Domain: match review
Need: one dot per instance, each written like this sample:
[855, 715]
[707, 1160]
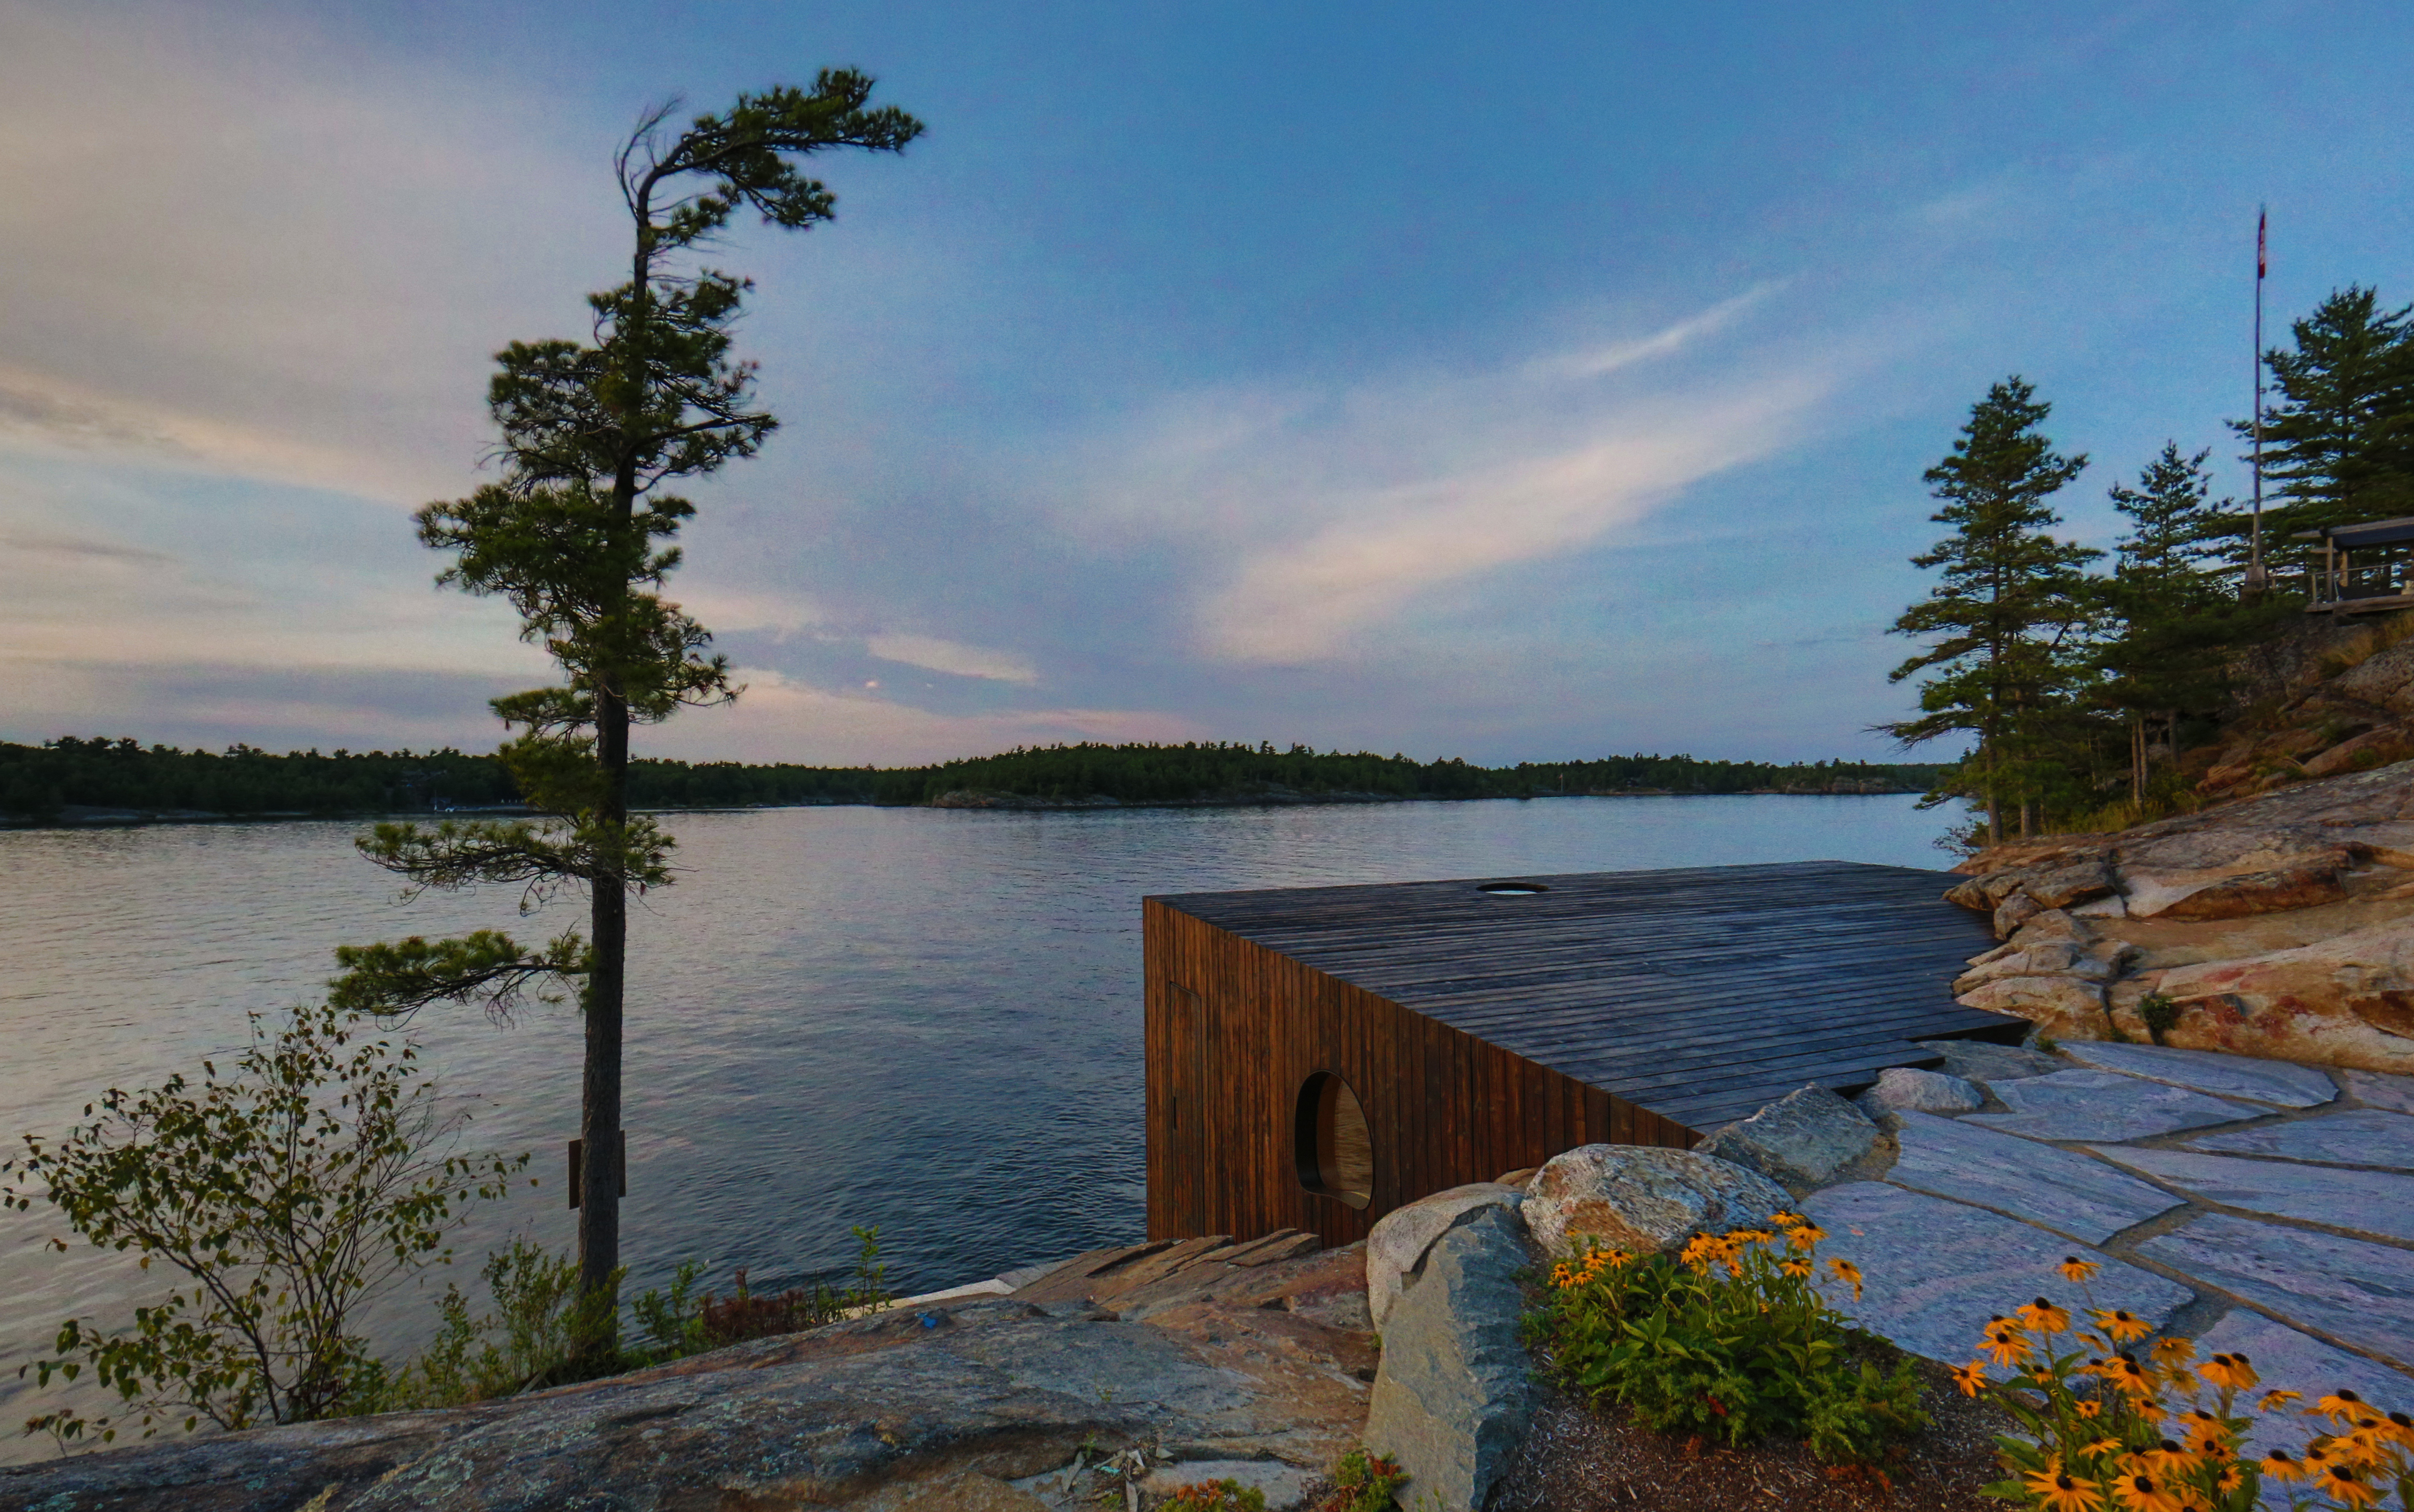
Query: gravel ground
[1580, 1459]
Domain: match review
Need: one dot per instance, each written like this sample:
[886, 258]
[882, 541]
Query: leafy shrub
[1364, 1482]
[541, 1333]
[1728, 1340]
[289, 1193]
[2164, 1433]
[1215, 1496]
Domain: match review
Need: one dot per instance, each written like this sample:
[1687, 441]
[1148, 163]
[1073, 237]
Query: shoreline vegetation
[99, 780]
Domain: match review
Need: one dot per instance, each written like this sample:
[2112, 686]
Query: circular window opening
[1512, 889]
[1337, 1155]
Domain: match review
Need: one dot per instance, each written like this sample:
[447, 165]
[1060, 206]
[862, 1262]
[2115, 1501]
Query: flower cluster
[1728, 1338]
[2114, 1434]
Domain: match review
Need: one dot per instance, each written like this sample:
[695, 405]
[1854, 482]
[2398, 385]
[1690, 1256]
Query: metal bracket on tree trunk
[578, 1164]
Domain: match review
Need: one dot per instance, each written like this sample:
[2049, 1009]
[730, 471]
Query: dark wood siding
[1234, 1030]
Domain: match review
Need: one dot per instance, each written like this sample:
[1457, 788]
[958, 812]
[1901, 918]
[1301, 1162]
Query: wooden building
[1319, 1056]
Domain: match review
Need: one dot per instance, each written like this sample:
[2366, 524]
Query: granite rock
[1902, 1089]
[1986, 1062]
[1453, 1396]
[2375, 1089]
[2065, 1007]
[1642, 1199]
[1800, 1141]
[1395, 1250]
[2290, 1360]
[2347, 1000]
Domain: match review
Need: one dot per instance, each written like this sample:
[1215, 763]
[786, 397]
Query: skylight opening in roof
[1512, 889]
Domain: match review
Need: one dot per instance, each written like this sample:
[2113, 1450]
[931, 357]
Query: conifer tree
[2005, 619]
[575, 535]
[2339, 444]
[2171, 611]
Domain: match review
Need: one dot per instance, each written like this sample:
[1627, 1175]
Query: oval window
[1337, 1155]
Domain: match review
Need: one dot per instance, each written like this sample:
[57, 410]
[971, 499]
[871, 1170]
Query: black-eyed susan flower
[2170, 1352]
[2139, 1491]
[2282, 1466]
[2102, 1447]
[2004, 1341]
[2401, 1428]
[1845, 1270]
[2087, 1407]
[2274, 1400]
[2074, 1269]
[2057, 1490]
[2122, 1324]
[1796, 1266]
[2167, 1459]
[2229, 1372]
[2348, 1486]
[1971, 1378]
[1805, 1235]
[1787, 1220]
[2042, 1317]
[2341, 1407]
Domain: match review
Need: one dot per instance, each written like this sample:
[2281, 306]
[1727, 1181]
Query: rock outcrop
[1154, 1362]
[2278, 926]
[1801, 1141]
[1396, 1248]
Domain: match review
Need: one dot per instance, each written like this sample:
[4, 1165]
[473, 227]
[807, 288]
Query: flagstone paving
[2359, 1136]
[2367, 1202]
[2104, 1105]
[2208, 1070]
[2057, 1189]
[2256, 1205]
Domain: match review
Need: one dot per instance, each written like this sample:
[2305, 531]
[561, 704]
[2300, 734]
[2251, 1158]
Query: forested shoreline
[81, 778]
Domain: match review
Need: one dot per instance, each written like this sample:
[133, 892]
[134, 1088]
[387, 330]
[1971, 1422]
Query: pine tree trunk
[599, 1112]
[2137, 759]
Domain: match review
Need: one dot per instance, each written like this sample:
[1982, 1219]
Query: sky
[1512, 383]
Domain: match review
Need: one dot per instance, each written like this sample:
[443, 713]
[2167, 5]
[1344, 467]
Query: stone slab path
[2254, 1205]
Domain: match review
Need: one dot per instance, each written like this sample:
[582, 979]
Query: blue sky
[1514, 384]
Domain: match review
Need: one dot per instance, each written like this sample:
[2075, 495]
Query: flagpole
[2256, 580]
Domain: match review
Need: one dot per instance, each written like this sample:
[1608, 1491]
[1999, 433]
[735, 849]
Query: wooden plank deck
[1700, 994]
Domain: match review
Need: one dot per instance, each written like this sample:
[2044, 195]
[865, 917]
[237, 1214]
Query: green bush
[541, 1333]
[1727, 1340]
[1364, 1482]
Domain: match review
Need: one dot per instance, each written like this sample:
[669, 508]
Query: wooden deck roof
[1701, 994]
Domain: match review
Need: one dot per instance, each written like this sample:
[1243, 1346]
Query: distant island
[102, 780]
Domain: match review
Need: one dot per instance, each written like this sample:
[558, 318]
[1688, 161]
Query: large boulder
[1642, 1199]
[1396, 1248]
[2300, 883]
[1903, 1089]
[2347, 1001]
[1453, 1395]
[1803, 1140]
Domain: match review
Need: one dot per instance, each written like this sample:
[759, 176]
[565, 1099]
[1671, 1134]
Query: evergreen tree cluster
[2076, 682]
[39, 781]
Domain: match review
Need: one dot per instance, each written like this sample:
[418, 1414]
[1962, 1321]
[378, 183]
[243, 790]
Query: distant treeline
[64, 775]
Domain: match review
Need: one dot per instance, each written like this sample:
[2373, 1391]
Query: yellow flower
[2205, 1431]
[2087, 1407]
[2141, 1492]
[2042, 1317]
[1845, 1270]
[2273, 1400]
[2174, 1351]
[2129, 1377]
[1806, 1235]
[1619, 1259]
[2282, 1466]
[2057, 1491]
[2341, 1407]
[2102, 1447]
[2230, 1372]
[2401, 1428]
[2006, 1343]
[2348, 1486]
[2167, 1459]
[1970, 1377]
[2122, 1325]
[2074, 1269]
[2227, 1476]
[1800, 1270]
[1750, 1236]
[1787, 1220]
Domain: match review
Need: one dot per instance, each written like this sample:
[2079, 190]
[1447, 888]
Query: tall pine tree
[2004, 622]
[2173, 616]
[2339, 443]
[575, 536]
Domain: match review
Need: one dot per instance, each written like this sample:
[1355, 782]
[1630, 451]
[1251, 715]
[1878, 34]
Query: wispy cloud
[953, 658]
[1313, 519]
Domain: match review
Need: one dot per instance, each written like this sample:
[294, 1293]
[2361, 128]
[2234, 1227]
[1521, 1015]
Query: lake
[923, 1019]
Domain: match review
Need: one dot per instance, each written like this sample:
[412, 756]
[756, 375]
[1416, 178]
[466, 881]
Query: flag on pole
[2262, 263]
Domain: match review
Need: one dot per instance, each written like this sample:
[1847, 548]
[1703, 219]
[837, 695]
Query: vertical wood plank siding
[1443, 1107]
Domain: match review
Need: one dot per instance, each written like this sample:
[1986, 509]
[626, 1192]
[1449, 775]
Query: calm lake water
[927, 1020]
